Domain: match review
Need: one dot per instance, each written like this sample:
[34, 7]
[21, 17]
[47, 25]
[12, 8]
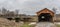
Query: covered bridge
[45, 15]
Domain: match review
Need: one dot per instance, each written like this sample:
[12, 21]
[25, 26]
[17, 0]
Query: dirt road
[45, 24]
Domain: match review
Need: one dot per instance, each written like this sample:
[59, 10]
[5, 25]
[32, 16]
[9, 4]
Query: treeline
[7, 13]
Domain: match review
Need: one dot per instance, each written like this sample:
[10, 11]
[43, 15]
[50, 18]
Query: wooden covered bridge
[45, 15]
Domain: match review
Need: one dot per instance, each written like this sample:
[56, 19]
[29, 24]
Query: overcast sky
[30, 6]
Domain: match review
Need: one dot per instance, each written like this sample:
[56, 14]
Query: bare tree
[10, 14]
[54, 10]
[17, 12]
[4, 11]
[0, 11]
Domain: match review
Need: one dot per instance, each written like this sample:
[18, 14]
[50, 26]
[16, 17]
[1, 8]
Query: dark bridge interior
[44, 17]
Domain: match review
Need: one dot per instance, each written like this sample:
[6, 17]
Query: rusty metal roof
[45, 9]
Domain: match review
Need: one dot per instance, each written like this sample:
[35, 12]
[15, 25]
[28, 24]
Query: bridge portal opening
[44, 17]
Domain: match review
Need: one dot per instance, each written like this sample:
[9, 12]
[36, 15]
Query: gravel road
[45, 24]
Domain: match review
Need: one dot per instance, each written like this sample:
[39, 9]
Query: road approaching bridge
[45, 24]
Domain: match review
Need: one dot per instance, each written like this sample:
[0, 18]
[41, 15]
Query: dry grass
[7, 23]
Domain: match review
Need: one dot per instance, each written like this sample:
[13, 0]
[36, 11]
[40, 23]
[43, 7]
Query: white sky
[30, 6]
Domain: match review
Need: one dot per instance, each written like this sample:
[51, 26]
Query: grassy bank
[27, 25]
[58, 25]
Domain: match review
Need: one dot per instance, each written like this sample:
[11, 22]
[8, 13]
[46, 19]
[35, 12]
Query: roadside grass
[58, 25]
[27, 25]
